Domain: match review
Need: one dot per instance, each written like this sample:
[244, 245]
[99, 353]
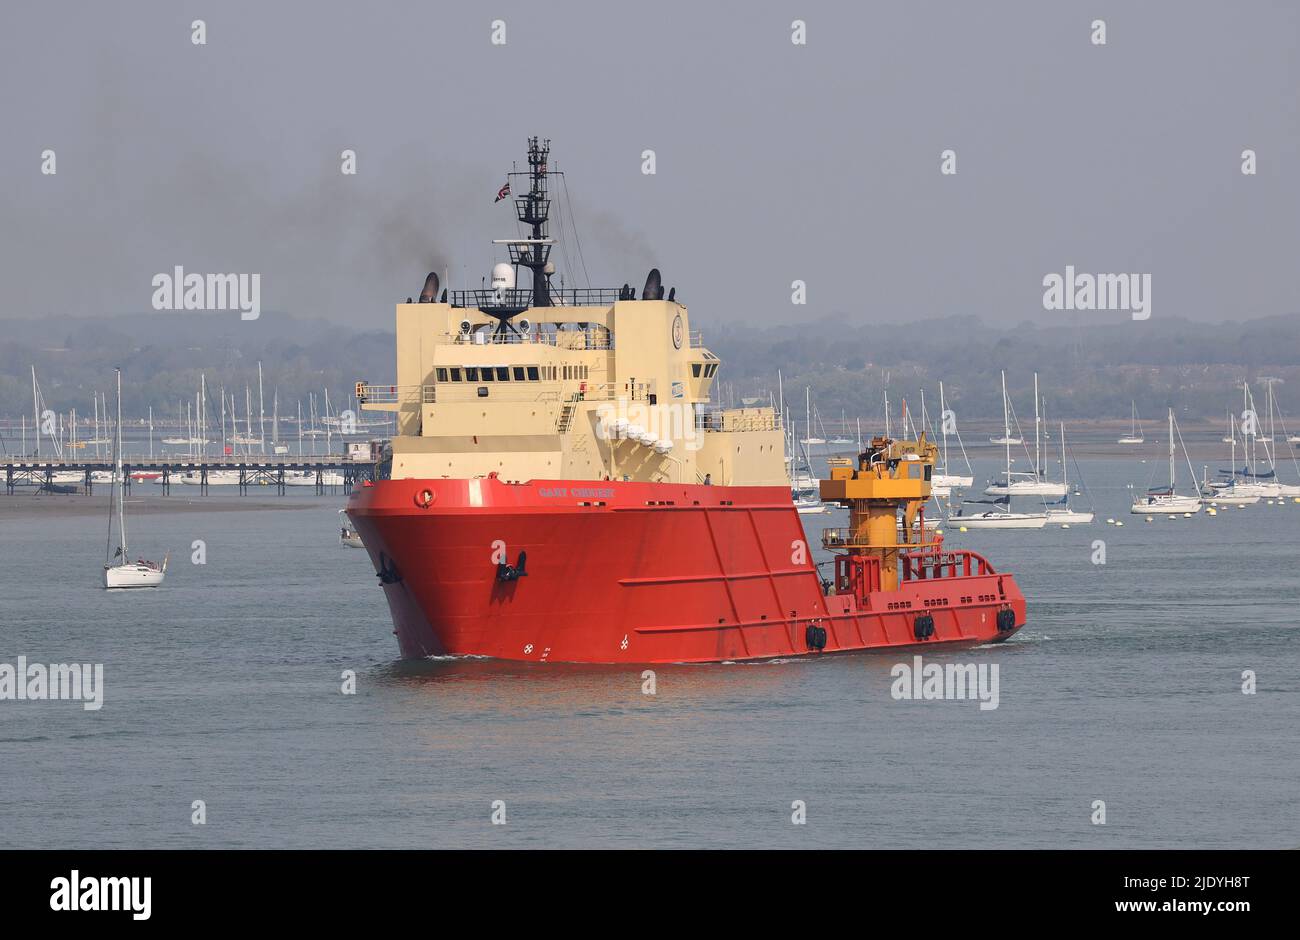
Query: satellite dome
[503, 276]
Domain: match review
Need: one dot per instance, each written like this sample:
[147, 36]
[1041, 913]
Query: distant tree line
[1085, 372]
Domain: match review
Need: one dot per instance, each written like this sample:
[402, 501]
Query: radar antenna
[534, 209]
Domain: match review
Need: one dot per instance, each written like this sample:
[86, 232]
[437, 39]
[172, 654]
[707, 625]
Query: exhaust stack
[430, 288]
[654, 288]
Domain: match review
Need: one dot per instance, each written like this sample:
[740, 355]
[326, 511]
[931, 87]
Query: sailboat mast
[1232, 436]
[36, 414]
[329, 444]
[1065, 473]
[1006, 428]
[1247, 441]
[1037, 446]
[943, 426]
[117, 473]
[203, 415]
[1171, 451]
[261, 411]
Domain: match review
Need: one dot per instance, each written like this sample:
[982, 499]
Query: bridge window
[485, 374]
[695, 369]
[455, 374]
[519, 373]
[471, 373]
[532, 373]
[503, 373]
[442, 375]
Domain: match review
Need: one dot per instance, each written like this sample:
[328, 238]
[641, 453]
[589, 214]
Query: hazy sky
[774, 161]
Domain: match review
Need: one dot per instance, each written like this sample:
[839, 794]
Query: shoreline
[27, 502]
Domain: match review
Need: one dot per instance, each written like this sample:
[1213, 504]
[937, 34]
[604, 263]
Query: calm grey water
[225, 687]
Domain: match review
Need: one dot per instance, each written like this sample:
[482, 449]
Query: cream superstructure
[593, 391]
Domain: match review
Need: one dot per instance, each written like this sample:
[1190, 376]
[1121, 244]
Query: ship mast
[533, 210]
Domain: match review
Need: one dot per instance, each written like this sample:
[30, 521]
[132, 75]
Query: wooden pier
[259, 475]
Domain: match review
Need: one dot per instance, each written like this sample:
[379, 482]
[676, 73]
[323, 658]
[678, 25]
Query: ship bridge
[552, 382]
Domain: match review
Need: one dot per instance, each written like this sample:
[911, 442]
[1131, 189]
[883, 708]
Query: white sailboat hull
[1068, 517]
[308, 478]
[1001, 520]
[215, 478]
[1026, 488]
[811, 508]
[1157, 504]
[950, 481]
[1259, 490]
[1230, 499]
[1131, 440]
[132, 576]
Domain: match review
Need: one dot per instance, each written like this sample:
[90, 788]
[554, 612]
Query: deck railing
[393, 394]
[597, 338]
[836, 538]
[737, 420]
[929, 565]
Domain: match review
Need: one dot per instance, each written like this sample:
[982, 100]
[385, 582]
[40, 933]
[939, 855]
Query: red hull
[636, 573]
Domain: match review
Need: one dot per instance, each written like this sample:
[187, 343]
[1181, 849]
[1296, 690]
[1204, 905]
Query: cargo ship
[561, 489]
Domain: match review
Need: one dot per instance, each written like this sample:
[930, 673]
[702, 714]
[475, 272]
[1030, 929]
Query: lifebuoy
[424, 499]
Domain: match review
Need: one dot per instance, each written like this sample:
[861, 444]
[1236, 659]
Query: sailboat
[1274, 412]
[810, 440]
[1065, 515]
[1023, 483]
[1249, 481]
[805, 489]
[1134, 435]
[1231, 492]
[942, 483]
[1002, 518]
[1166, 499]
[125, 574]
[840, 440]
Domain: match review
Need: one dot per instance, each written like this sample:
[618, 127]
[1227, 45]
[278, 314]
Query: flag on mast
[503, 192]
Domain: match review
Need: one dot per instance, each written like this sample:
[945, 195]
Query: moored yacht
[126, 573]
[1166, 499]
